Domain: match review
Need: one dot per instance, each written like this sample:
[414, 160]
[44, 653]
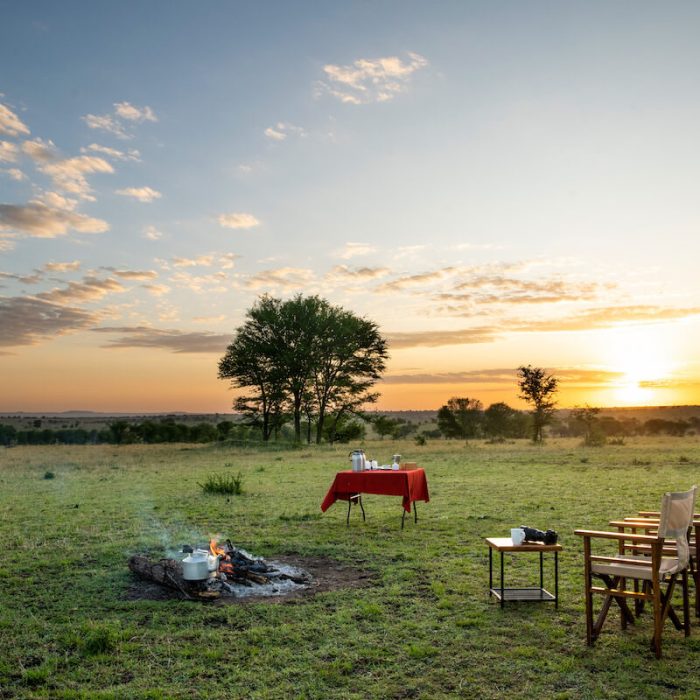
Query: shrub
[98, 638]
[49, 475]
[226, 484]
[420, 440]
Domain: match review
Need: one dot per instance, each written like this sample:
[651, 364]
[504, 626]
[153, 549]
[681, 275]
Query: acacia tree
[306, 356]
[350, 355]
[538, 389]
[460, 418]
[251, 362]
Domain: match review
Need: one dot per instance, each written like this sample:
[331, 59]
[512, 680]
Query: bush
[226, 484]
[49, 475]
[420, 440]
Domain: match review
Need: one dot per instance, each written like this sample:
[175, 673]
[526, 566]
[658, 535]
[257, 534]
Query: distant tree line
[126, 432]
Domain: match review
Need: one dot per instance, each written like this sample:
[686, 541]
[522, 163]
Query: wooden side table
[532, 594]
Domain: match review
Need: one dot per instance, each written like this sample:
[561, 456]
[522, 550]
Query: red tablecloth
[409, 483]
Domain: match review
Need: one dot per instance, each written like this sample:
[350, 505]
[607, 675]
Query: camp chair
[654, 569]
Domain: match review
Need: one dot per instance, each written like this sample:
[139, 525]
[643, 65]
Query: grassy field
[423, 627]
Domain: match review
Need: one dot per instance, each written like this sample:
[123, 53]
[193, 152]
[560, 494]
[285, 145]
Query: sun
[641, 356]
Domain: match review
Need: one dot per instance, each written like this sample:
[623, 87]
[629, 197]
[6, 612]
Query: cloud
[127, 111]
[238, 220]
[418, 280]
[201, 283]
[90, 289]
[37, 220]
[69, 174]
[282, 130]
[14, 173]
[152, 233]
[370, 80]
[53, 200]
[343, 273]
[143, 194]
[352, 250]
[131, 154]
[157, 290]
[6, 242]
[34, 278]
[432, 339]
[29, 320]
[40, 151]
[209, 319]
[114, 123]
[607, 316]
[285, 278]
[134, 274]
[174, 340]
[228, 260]
[485, 376]
[10, 123]
[62, 266]
[8, 152]
[202, 260]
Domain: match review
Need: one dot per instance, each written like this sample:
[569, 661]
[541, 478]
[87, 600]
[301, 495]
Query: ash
[283, 579]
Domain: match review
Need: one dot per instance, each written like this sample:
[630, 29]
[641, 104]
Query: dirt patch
[326, 575]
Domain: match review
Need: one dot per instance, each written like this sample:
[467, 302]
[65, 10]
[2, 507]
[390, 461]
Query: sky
[495, 184]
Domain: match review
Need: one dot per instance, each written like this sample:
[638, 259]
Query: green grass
[424, 627]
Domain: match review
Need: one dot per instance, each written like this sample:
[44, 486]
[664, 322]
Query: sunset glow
[493, 185]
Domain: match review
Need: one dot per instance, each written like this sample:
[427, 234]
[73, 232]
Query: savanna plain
[421, 626]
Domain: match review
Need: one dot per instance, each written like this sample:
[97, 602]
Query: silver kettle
[358, 459]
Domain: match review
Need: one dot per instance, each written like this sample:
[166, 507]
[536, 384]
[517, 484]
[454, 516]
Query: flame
[214, 549]
[225, 564]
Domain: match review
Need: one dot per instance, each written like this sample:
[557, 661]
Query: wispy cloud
[29, 320]
[40, 151]
[370, 80]
[10, 123]
[201, 260]
[69, 174]
[283, 278]
[134, 274]
[485, 376]
[152, 233]
[157, 290]
[121, 119]
[344, 274]
[143, 194]
[281, 130]
[14, 173]
[174, 340]
[418, 280]
[607, 316]
[433, 339]
[238, 220]
[38, 220]
[90, 289]
[131, 154]
[62, 266]
[8, 152]
[353, 250]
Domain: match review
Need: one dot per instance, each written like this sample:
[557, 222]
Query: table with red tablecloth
[411, 484]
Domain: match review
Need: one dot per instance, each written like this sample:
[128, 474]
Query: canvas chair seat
[625, 567]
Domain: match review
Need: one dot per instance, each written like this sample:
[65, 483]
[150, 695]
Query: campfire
[220, 570]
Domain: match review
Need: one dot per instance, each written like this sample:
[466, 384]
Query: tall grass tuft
[226, 484]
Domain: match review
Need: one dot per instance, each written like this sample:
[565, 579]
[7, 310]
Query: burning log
[166, 572]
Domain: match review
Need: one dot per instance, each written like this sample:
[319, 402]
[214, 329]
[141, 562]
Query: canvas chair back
[674, 520]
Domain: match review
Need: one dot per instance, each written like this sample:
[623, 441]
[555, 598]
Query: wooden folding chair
[642, 558]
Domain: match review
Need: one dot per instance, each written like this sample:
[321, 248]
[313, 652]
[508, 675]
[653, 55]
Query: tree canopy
[538, 389]
[303, 358]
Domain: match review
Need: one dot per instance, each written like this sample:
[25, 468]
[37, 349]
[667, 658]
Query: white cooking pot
[195, 567]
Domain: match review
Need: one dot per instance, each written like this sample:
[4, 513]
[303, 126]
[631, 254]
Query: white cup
[517, 534]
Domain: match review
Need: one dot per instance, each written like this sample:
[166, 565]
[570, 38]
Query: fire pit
[221, 571]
